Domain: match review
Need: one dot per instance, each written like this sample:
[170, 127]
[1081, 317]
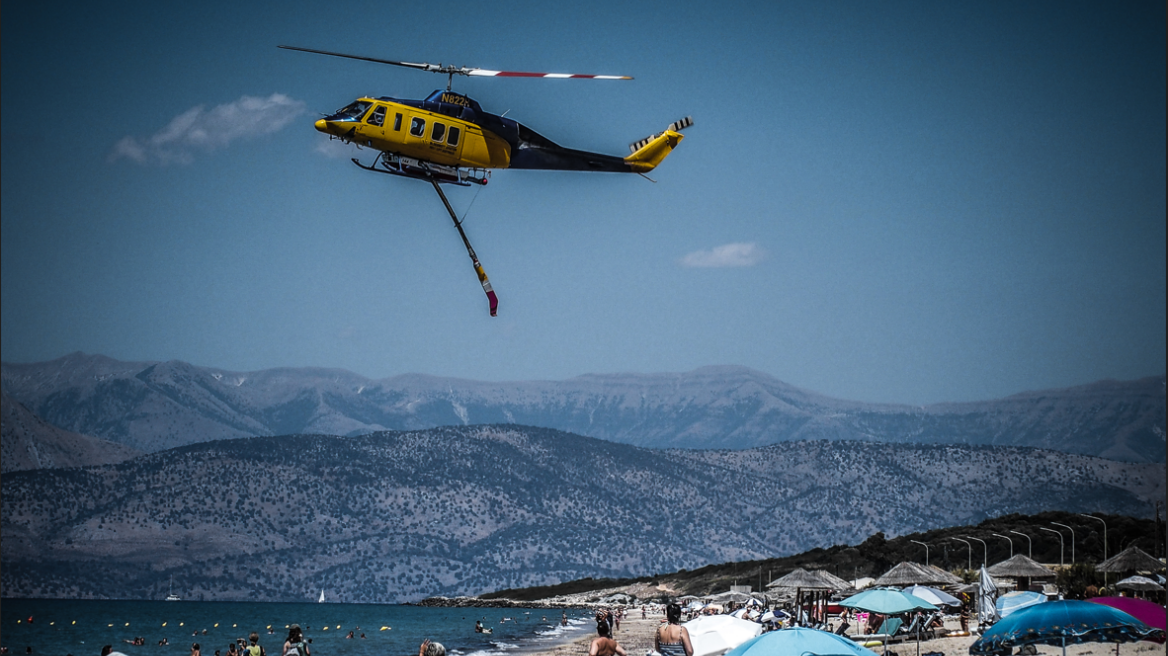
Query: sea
[55, 627]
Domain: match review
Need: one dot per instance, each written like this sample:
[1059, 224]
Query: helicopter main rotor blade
[424, 67]
[482, 72]
[460, 70]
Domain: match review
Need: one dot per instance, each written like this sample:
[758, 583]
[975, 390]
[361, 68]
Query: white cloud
[726, 255]
[336, 149]
[200, 130]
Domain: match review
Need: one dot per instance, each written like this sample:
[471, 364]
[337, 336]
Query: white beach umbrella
[1140, 584]
[717, 634]
[987, 596]
[933, 595]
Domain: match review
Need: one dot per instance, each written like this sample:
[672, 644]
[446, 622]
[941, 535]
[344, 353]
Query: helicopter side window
[397, 123]
[417, 126]
[377, 116]
[452, 136]
[438, 133]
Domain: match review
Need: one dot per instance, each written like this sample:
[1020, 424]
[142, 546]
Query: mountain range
[29, 442]
[399, 515]
[153, 406]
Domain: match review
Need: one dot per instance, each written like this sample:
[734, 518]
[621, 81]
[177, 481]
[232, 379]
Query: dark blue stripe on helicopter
[563, 159]
[529, 149]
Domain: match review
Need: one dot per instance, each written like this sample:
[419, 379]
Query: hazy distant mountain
[400, 515]
[154, 406]
[27, 442]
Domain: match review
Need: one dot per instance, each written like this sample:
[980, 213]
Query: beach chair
[888, 629]
[928, 631]
[910, 632]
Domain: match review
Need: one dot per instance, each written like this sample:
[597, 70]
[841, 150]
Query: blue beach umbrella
[1059, 623]
[799, 641]
[886, 602]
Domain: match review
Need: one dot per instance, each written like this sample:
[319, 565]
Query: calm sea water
[81, 628]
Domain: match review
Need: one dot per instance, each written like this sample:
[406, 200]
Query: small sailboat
[321, 600]
[170, 595]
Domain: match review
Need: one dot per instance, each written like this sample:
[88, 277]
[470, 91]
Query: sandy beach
[636, 637]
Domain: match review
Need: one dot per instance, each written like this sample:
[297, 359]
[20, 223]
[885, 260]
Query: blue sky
[900, 202]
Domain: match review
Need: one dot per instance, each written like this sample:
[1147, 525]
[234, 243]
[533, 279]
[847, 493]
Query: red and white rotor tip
[482, 72]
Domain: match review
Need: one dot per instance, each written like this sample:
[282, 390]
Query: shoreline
[635, 637]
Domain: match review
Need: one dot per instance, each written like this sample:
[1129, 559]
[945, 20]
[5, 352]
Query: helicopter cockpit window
[452, 138]
[438, 133]
[377, 116]
[354, 111]
[417, 126]
[397, 123]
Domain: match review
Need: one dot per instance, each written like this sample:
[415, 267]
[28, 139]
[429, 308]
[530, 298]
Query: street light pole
[926, 550]
[1061, 546]
[1007, 539]
[1072, 539]
[968, 554]
[984, 549]
[1104, 539]
[1029, 544]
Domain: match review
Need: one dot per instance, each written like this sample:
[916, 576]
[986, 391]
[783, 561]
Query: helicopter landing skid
[419, 170]
[492, 299]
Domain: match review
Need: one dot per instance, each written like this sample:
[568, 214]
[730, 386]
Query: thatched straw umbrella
[949, 578]
[1021, 569]
[803, 580]
[906, 574]
[729, 597]
[837, 584]
[1132, 559]
[811, 592]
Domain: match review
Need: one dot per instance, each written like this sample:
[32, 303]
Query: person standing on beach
[254, 649]
[603, 644]
[294, 645]
[672, 639]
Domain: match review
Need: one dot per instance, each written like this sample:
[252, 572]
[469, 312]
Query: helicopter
[448, 138]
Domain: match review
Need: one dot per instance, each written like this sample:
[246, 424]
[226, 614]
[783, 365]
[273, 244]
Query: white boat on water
[170, 595]
[321, 600]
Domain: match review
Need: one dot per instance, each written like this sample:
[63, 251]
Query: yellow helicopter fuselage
[421, 134]
[449, 136]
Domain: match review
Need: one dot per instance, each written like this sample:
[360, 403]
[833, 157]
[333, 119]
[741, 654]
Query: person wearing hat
[294, 645]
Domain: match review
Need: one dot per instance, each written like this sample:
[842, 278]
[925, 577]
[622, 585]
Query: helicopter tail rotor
[676, 126]
[647, 153]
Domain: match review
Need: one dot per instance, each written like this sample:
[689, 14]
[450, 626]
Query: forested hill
[396, 516]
